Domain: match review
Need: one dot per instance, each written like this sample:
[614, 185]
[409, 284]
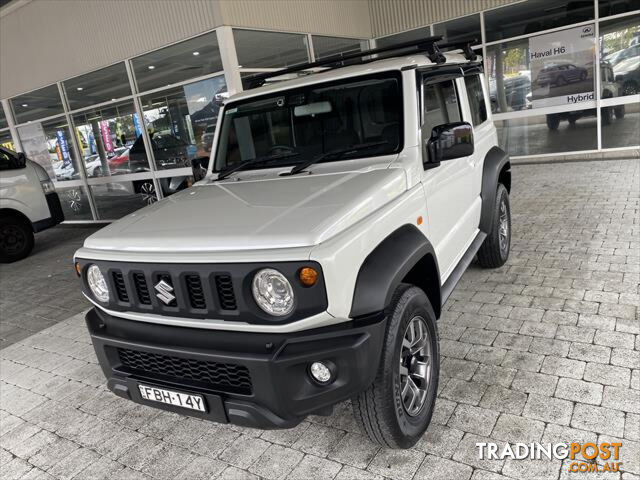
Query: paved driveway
[544, 349]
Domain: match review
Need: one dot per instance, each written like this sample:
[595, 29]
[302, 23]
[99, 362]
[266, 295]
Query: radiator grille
[141, 288]
[225, 292]
[121, 289]
[195, 291]
[220, 376]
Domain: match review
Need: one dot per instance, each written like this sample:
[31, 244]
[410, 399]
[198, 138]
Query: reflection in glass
[179, 62]
[75, 203]
[615, 7]
[258, 49]
[3, 118]
[49, 144]
[621, 125]
[181, 122]
[620, 53]
[553, 133]
[41, 103]
[105, 138]
[97, 87]
[6, 141]
[408, 36]
[509, 76]
[534, 16]
[328, 46]
[117, 199]
[464, 29]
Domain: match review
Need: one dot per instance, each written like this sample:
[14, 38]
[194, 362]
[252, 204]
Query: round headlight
[97, 283]
[272, 292]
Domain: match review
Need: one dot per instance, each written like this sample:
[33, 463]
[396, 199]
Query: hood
[280, 212]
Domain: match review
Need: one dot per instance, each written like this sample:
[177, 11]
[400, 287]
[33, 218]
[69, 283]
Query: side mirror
[199, 166]
[448, 141]
[21, 160]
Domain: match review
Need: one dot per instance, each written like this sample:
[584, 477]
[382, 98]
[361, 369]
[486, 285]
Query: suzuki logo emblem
[164, 292]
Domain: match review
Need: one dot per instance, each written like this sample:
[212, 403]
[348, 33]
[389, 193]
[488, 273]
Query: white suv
[311, 263]
[28, 204]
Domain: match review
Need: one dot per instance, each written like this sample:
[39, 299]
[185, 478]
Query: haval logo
[164, 292]
[586, 30]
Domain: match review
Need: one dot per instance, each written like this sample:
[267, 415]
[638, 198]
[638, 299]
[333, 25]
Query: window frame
[487, 108]
[438, 75]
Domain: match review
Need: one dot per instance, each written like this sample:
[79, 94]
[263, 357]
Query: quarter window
[476, 99]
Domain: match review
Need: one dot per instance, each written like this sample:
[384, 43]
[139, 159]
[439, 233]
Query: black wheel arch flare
[496, 169]
[405, 255]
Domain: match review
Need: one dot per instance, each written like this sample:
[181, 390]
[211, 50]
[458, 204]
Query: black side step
[462, 266]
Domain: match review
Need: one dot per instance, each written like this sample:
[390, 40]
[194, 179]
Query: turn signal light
[308, 276]
[78, 268]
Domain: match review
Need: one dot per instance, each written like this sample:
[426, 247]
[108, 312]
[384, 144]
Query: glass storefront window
[620, 125]
[403, 37]
[106, 137]
[37, 104]
[533, 16]
[97, 87]
[464, 29]
[117, 199]
[3, 119]
[615, 7]
[75, 203]
[6, 141]
[258, 49]
[181, 122]
[620, 54]
[192, 58]
[324, 47]
[552, 133]
[49, 144]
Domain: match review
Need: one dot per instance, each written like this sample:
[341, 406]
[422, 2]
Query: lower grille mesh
[221, 376]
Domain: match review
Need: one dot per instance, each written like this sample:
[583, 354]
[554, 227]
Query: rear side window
[440, 106]
[476, 99]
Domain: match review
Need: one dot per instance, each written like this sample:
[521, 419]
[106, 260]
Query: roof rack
[428, 45]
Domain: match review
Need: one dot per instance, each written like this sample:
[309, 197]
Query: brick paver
[543, 349]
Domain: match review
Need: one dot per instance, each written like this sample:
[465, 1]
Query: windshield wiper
[252, 161]
[333, 153]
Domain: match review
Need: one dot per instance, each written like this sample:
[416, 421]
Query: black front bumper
[280, 391]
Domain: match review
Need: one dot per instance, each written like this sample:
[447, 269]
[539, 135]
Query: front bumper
[265, 381]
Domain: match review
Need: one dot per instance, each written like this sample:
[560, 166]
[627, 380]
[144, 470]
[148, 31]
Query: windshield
[297, 125]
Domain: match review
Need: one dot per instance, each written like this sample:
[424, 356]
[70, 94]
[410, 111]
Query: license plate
[170, 397]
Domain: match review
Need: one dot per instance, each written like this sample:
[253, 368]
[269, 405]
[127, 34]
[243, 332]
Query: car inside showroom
[333, 239]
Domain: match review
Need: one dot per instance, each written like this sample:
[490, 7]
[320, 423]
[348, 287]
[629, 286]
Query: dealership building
[115, 98]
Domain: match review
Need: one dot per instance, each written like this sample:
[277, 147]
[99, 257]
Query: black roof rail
[428, 45]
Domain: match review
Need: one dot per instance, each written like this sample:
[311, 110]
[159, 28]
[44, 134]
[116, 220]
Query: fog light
[320, 372]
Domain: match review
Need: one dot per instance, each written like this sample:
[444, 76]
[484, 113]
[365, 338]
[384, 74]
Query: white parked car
[28, 204]
[311, 264]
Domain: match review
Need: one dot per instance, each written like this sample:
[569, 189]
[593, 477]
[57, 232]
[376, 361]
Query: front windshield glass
[294, 126]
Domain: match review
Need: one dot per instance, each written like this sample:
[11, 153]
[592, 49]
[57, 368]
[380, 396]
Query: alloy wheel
[148, 191]
[503, 228]
[74, 198]
[415, 366]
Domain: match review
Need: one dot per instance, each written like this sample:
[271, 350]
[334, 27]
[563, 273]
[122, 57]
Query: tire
[381, 410]
[619, 111]
[606, 113]
[16, 239]
[494, 251]
[553, 122]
